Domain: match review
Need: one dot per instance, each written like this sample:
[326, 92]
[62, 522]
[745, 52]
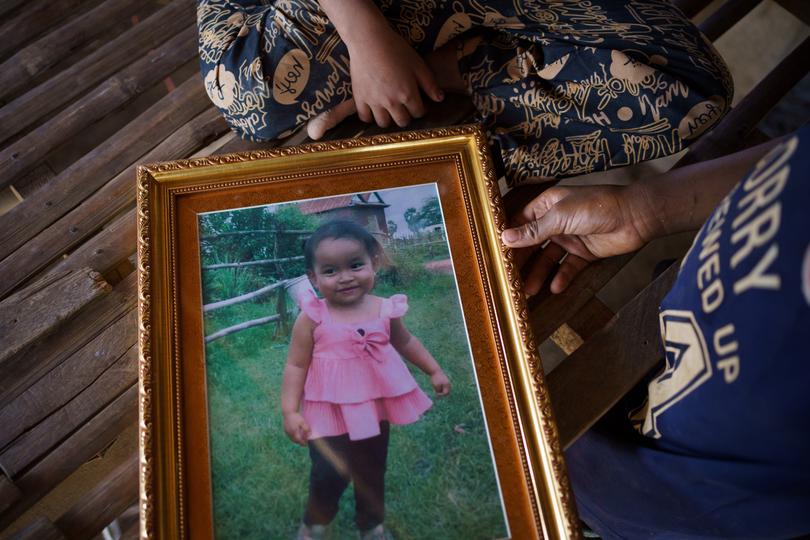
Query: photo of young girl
[384, 458]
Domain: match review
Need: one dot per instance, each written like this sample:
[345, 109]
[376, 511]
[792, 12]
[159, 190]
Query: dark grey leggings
[336, 461]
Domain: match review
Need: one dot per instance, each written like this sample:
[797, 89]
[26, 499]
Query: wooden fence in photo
[431, 241]
[282, 316]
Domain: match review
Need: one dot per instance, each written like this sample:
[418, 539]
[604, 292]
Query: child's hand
[296, 428]
[387, 74]
[440, 382]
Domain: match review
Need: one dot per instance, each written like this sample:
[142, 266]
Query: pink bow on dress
[370, 344]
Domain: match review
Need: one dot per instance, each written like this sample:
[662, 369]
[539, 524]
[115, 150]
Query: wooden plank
[90, 439]
[8, 6]
[69, 394]
[798, 8]
[101, 206]
[35, 18]
[732, 133]
[9, 493]
[691, 8]
[547, 311]
[22, 155]
[719, 22]
[41, 528]
[87, 72]
[129, 521]
[106, 250]
[29, 318]
[132, 532]
[19, 71]
[23, 370]
[105, 502]
[590, 381]
[34, 179]
[593, 316]
[84, 177]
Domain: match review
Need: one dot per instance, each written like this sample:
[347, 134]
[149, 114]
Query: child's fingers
[400, 115]
[381, 117]
[415, 106]
[364, 112]
[318, 126]
[305, 431]
[427, 82]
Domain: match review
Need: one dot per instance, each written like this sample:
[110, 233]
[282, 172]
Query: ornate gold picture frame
[193, 447]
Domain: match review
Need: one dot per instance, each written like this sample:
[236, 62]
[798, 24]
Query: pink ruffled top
[356, 378]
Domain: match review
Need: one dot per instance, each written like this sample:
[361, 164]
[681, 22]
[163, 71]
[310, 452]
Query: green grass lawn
[440, 481]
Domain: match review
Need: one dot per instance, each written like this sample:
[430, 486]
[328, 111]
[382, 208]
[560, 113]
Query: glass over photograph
[342, 393]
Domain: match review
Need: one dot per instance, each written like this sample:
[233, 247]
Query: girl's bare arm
[295, 374]
[414, 352]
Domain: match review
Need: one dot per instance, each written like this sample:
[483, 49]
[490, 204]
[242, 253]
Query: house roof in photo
[318, 206]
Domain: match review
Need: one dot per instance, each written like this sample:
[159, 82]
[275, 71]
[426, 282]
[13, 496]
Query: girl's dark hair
[341, 228]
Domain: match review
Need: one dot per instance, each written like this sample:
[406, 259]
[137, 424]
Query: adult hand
[387, 75]
[586, 222]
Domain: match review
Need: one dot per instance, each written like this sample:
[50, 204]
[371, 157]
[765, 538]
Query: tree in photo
[412, 219]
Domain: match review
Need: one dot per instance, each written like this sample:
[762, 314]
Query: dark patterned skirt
[563, 87]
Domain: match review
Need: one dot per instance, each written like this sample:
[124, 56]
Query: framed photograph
[334, 345]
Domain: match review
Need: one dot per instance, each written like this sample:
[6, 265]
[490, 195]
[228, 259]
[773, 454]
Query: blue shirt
[721, 441]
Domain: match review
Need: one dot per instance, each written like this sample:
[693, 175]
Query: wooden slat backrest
[726, 16]
[691, 8]
[590, 381]
[799, 8]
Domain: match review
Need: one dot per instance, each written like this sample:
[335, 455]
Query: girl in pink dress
[345, 382]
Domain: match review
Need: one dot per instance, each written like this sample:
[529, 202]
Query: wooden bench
[90, 88]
